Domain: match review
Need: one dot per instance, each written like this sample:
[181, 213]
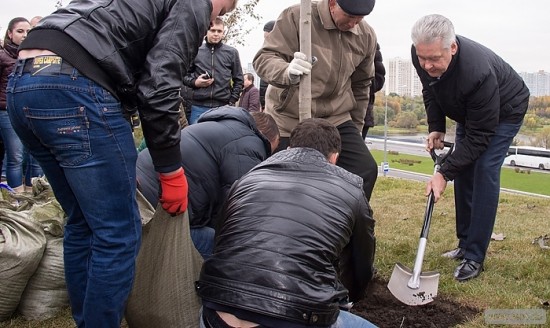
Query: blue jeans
[75, 129]
[203, 239]
[477, 190]
[16, 154]
[345, 320]
[196, 112]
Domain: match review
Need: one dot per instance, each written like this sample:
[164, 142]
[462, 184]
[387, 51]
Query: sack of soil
[50, 216]
[167, 267]
[46, 292]
[22, 244]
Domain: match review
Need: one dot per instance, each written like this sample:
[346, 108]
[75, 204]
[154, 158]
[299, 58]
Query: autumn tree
[531, 121]
[543, 138]
[406, 120]
[240, 22]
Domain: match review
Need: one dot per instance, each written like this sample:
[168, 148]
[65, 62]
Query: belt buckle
[46, 65]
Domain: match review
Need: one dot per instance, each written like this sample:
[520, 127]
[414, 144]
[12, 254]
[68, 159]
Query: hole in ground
[382, 309]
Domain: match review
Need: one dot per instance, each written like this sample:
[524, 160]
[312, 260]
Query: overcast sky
[517, 31]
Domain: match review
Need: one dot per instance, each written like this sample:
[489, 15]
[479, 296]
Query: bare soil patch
[382, 309]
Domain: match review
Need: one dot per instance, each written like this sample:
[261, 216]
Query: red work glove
[174, 192]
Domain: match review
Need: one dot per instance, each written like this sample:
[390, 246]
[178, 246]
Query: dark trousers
[477, 190]
[355, 156]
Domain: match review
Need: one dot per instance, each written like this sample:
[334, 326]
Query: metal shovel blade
[399, 286]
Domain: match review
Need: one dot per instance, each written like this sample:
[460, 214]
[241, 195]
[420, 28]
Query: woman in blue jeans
[16, 154]
[20, 165]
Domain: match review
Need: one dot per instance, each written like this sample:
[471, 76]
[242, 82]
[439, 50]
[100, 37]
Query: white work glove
[297, 67]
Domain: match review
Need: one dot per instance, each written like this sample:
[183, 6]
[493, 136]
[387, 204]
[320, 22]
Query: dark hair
[11, 26]
[249, 77]
[316, 133]
[266, 125]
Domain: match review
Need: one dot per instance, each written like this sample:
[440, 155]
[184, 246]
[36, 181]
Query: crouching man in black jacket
[286, 225]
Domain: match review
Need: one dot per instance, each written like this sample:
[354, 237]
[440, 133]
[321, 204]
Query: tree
[379, 113]
[543, 138]
[240, 22]
[406, 120]
[530, 121]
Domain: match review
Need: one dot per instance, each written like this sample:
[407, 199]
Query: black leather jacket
[223, 63]
[288, 222]
[146, 48]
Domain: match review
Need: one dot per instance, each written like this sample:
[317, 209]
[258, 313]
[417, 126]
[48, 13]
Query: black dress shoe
[468, 269]
[456, 254]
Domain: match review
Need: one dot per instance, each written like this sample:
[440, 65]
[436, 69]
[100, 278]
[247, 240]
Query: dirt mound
[384, 310]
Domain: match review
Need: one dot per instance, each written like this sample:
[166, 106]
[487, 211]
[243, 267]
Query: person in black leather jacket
[82, 73]
[216, 76]
[470, 84]
[287, 223]
[225, 145]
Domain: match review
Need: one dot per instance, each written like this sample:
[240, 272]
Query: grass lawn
[524, 180]
[516, 272]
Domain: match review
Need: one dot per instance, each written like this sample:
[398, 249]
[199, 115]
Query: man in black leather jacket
[287, 223]
[81, 71]
[470, 84]
[216, 75]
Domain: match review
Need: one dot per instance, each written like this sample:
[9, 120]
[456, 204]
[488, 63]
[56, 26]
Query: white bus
[527, 156]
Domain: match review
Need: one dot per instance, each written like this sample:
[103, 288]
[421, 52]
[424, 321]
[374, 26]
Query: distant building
[538, 83]
[401, 78]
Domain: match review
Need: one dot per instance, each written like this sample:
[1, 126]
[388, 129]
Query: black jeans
[355, 156]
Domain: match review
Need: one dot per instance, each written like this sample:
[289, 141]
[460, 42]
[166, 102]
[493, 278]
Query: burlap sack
[46, 292]
[166, 269]
[22, 244]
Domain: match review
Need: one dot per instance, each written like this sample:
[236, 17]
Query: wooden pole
[304, 103]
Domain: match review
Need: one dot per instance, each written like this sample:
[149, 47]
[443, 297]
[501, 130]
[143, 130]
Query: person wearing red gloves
[84, 74]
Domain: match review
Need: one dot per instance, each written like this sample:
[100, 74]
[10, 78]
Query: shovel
[416, 287]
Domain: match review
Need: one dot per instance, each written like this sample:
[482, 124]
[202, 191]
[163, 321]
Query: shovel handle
[414, 282]
[438, 160]
[428, 216]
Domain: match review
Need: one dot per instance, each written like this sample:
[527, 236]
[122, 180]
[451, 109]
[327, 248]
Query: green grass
[528, 181]
[516, 272]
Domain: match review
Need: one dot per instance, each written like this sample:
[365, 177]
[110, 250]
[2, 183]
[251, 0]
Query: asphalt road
[418, 149]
